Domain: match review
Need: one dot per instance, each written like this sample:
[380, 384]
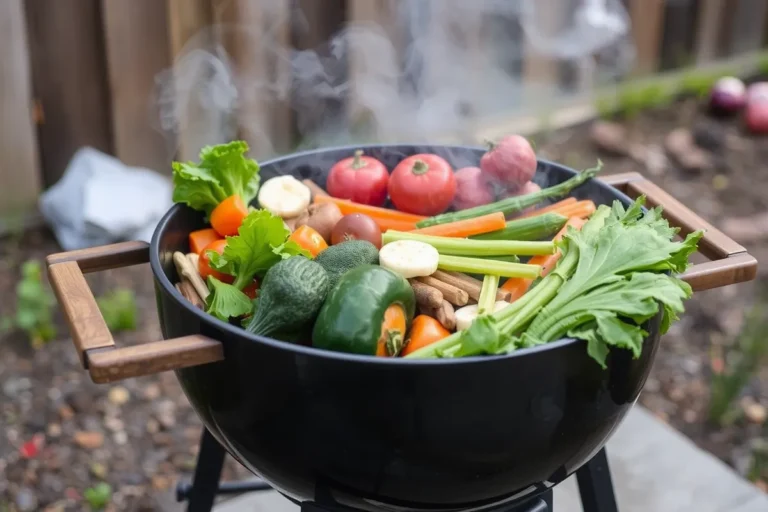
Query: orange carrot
[227, 217]
[464, 228]
[200, 239]
[581, 209]
[518, 286]
[551, 208]
[348, 207]
[396, 225]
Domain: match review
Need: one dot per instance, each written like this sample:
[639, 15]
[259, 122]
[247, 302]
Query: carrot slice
[518, 286]
[396, 225]
[227, 217]
[348, 207]
[554, 207]
[581, 209]
[200, 239]
[464, 228]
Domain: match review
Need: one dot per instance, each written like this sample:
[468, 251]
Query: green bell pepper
[367, 312]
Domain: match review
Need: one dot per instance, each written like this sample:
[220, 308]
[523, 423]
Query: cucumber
[537, 227]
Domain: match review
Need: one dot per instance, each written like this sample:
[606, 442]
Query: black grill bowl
[390, 434]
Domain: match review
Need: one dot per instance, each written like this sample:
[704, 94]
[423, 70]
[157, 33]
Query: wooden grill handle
[97, 350]
[731, 263]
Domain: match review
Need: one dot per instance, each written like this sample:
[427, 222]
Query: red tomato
[204, 263]
[252, 289]
[422, 184]
[362, 179]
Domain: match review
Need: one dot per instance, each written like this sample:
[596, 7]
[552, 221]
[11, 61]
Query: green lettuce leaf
[223, 171]
[226, 301]
[261, 242]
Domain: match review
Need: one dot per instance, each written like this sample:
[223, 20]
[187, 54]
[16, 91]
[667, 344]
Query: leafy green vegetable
[223, 171]
[612, 277]
[226, 301]
[261, 242]
[98, 496]
[119, 310]
[34, 306]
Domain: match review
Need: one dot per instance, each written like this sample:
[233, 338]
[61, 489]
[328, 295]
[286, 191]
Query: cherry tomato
[356, 226]
[309, 239]
[252, 289]
[422, 184]
[204, 263]
[362, 179]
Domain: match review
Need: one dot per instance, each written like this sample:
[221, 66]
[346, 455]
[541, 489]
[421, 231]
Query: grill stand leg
[596, 486]
[205, 482]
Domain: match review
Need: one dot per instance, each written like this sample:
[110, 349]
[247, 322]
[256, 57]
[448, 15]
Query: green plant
[762, 64]
[98, 496]
[34, 306]
[119, 310]
[605, 106]
[633, 99]
[697, 84]
[750, 351]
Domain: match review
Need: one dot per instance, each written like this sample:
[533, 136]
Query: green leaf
[226, 301]
[119, 310]
[482, 337]
[223, 171]
[98, 496]
[261, 242]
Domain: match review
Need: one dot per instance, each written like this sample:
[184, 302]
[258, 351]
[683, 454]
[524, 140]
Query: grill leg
[205, 482]
[596, 486]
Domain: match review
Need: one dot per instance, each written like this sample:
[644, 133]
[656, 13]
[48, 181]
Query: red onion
[728, 95]
[511, 162]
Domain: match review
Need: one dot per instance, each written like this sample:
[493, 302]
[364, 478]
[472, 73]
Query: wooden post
[749, 18]
[136, 36]
[541, 72]
[647, 26]
[256, 37]
[708, 30]
[19, 172]
[68, 80]
[189, 26]
[678, 34]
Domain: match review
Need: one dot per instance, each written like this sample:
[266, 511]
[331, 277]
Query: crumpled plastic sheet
[99, 200]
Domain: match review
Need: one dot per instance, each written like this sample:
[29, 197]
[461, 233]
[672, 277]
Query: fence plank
[749, 17]
[136, 40]
[647, 25]
[68, 80]
[19, 172]
[708, 30]
[678, 34]
[542, 73]
[194, 124]
[256, 37]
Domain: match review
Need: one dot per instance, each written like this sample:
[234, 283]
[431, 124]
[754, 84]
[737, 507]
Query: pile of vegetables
[495, 272]
[730, 96]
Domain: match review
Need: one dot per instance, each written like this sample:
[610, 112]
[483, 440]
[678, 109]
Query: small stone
[681, 147]
[676, 394]
[118, 395]
[114, 424]
[165, 413]
[98, 470]
[610, 137]
[14, 387]
[161, 483]
[720, 182]
[690, 416]
[88, 440]
[66, 412]
[54, 394]
[152, 392]
[120, 438]
[163, 439]
[81, 401]
[26, 499]
[747, 229]
[53, 430]
[153, 426]
[710, 136]
[754, 412]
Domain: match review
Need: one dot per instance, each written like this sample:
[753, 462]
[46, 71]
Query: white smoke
[438, 64]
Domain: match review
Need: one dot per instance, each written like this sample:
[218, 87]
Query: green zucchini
[536, 227]
[291, 295]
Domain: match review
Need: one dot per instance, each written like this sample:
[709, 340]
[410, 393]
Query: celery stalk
[480, 266]
[487, 299]
[467, 247]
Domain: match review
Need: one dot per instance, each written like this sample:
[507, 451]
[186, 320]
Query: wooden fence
[79, 73]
